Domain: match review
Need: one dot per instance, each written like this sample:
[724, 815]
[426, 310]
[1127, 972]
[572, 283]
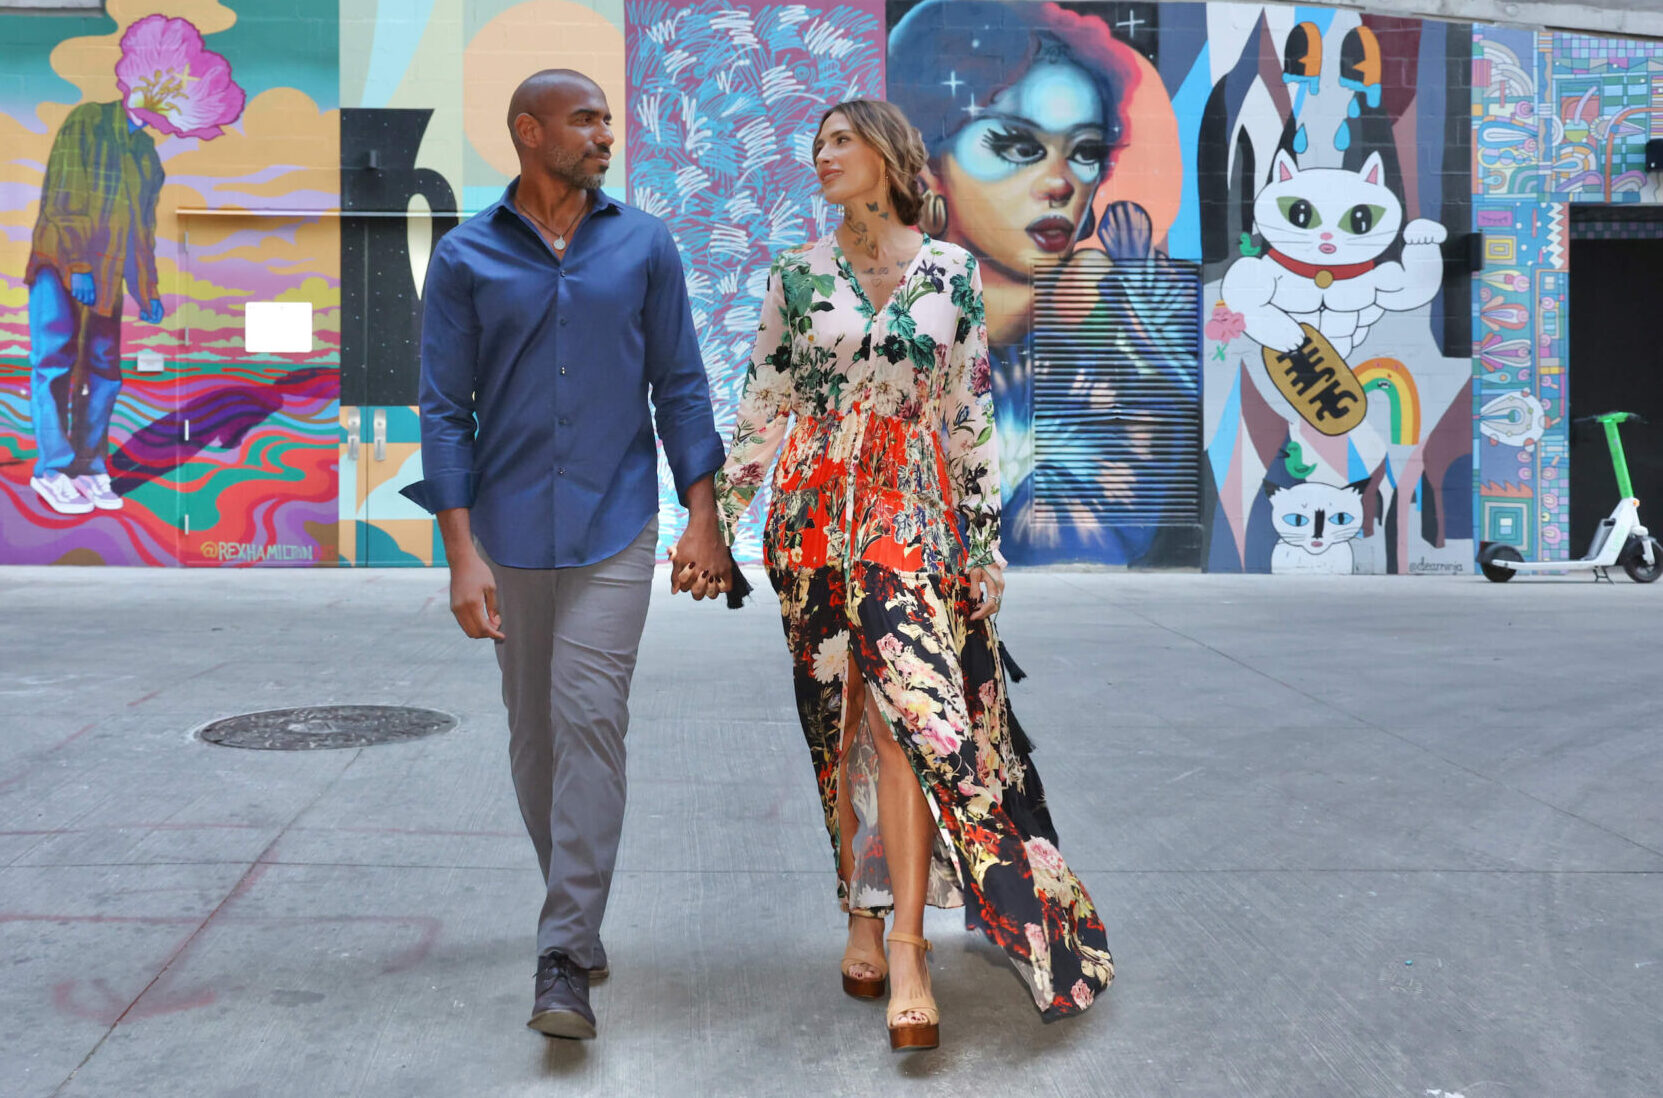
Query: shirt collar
[603, 201]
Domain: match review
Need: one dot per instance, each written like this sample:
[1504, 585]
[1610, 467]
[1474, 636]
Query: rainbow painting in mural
[1391, 378]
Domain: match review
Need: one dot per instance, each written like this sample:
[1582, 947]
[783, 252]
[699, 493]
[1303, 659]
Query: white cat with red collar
[1325, 229]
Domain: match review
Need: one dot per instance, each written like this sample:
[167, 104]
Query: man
[96, 229]
[548, 318]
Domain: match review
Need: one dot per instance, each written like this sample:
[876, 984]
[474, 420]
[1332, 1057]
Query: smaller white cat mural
[1315, 524]
[1326, 229]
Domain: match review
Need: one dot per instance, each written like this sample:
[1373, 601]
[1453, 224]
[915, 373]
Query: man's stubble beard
[565, 168]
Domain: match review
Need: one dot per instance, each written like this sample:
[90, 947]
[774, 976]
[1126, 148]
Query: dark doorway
[1616, 366]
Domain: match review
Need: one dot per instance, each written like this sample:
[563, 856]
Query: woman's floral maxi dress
[885, 495]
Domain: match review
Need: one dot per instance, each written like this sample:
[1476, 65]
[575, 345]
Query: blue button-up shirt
[536, 374]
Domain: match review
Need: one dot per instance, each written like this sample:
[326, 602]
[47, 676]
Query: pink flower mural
[169, 80]
[1225, 324]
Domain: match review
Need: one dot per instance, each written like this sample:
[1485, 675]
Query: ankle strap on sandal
[910, 939]
[859, 914]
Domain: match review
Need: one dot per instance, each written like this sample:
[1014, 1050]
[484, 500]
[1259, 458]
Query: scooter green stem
[1620, 463]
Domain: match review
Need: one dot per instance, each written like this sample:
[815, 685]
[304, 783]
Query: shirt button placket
[559, 438]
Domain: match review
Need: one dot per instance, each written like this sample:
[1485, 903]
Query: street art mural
[1557, 119]
[135, 425]
[723, 101]
[95, 236]
[1331, 247]
[1337, 379]
[1053, 158]
[1303, 159]
[424, 97]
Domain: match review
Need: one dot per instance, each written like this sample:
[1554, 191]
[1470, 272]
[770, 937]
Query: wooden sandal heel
[914, 1036]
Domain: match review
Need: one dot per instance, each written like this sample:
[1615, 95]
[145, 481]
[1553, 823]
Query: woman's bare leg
[908, 829]
[865, 934]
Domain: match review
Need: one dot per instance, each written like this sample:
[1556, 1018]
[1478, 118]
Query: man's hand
[473, 597]
[82, 288]
[700, 561]
[152, 313]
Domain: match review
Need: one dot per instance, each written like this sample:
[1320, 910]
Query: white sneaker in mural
[97, 488]
[60, 494]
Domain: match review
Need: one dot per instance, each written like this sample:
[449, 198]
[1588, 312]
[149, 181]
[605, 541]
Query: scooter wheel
[1498, 573]
[1634, 561]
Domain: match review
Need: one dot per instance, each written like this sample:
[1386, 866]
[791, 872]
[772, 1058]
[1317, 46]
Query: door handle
[381, 434]
[354, 428]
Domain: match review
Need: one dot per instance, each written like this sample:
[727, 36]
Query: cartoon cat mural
[1315, 524]
[1326, 229]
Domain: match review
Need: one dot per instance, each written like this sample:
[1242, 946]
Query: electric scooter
[1620, 539]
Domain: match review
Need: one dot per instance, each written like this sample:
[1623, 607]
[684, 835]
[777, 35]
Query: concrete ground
[1350, 836]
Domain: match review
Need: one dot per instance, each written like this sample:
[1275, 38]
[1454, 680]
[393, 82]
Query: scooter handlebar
[1615, 417]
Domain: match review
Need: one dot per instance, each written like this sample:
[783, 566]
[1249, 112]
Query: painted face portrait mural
[1029, 112]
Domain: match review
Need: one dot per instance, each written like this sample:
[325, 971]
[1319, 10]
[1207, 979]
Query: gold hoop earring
[933, 216]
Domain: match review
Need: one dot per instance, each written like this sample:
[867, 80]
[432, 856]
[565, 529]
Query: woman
[883, 545]
[1021, 106]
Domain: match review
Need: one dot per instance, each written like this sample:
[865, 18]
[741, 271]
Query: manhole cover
[327, 726]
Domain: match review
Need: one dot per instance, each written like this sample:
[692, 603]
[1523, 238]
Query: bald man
[549, 320]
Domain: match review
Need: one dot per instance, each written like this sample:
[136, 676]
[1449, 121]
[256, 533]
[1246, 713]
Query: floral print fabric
[885, 495]
[865, 474]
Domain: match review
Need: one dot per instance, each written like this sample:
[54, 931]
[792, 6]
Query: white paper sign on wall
[277, 327]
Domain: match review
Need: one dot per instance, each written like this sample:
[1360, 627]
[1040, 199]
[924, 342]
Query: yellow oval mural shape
[1319, 384]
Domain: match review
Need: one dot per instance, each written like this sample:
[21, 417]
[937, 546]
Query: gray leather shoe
[562, 1005]
[602, 969]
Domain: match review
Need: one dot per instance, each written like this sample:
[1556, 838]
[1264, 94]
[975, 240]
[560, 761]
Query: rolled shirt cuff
[694, 463]
[442, 492]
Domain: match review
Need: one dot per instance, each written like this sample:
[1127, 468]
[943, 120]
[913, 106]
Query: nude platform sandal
[906, 1038]
[862, 987]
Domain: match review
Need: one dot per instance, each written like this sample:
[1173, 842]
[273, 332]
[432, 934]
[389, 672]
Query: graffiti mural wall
[1303, 160]
[137, 426]
[722, 105]
[1558, 119]
[1324, 253]
[424, 92]
[1054, 157]
[1338, 347]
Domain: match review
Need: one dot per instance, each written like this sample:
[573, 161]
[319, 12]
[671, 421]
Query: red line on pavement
[41, 757]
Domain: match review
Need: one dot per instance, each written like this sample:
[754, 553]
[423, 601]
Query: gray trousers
[572, 637]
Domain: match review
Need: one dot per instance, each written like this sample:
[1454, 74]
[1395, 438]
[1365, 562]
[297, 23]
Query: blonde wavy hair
[884, 127]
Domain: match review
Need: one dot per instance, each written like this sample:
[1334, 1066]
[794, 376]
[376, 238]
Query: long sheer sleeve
[972, 442]
[764, 412]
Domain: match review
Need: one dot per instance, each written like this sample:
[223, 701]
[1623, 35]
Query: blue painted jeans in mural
[72, 429]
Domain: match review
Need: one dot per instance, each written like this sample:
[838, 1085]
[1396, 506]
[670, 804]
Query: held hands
[987, 588]
[700, 562]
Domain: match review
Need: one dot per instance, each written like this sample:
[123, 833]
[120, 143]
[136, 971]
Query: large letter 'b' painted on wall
[380, 302]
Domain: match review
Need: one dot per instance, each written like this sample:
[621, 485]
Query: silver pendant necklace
[559, 237]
